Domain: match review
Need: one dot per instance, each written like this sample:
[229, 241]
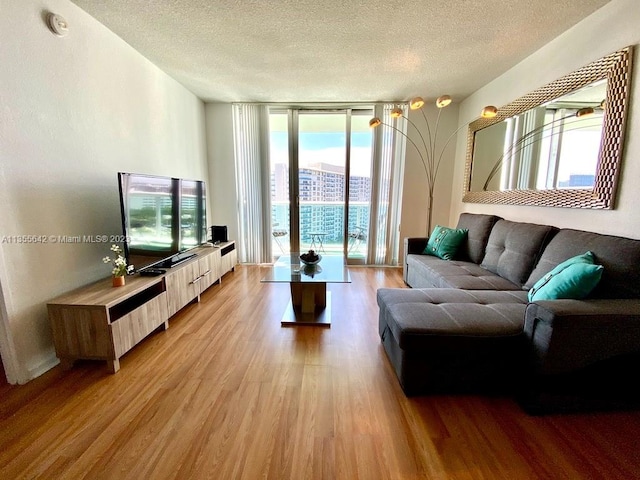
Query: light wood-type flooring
[227, 393]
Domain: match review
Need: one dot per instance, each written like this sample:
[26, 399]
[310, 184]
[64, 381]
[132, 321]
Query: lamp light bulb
[375, 122]
[443, 101]
[584, 112]
[416, 103]
[396, 112]
[489, 112]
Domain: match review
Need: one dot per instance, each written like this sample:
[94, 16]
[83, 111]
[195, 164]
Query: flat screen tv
[162, 218]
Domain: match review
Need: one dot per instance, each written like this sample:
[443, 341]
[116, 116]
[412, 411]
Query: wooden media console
[103, 322]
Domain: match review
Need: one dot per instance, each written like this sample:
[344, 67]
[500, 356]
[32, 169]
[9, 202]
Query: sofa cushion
[479, 227]
[424, 271]
[444, 242]
[514, 248]
[619, 256]
[422, 318]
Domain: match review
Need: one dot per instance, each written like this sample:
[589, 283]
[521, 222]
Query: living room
[76, 110]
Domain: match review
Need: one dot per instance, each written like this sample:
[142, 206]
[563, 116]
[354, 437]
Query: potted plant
[120, 267]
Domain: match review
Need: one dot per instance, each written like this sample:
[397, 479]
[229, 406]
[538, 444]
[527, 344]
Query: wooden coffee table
[310, 302]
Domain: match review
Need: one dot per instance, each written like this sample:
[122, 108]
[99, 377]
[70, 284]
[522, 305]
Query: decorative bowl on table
[310, 258]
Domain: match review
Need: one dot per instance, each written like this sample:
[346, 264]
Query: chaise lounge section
[467, 324]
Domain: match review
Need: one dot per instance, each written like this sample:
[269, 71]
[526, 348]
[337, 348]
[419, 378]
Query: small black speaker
[219, 233]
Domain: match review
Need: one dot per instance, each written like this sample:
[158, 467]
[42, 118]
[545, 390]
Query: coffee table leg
[309, 296]
[309, 305]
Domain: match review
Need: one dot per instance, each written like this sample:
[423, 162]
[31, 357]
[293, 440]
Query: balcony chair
[356, 236]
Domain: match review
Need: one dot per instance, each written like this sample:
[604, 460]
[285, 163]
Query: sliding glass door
[360, 184]
[279, 182]
[321, 181]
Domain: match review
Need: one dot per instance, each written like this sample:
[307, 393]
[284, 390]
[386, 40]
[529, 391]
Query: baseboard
[43, 367]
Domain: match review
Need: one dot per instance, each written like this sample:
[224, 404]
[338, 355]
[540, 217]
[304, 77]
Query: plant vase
[118, 281]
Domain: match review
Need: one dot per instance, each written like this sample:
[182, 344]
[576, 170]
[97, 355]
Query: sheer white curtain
[251, 152]
[389, 147]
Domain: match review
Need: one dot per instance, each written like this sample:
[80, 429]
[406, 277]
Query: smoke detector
[57, 24]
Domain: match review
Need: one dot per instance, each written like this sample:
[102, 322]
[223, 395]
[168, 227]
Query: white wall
[73, 112]
[612, 27]
[222, 176]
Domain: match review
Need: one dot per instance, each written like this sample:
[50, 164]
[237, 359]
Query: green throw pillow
[575, 278]
[444, 242]
[586, 257]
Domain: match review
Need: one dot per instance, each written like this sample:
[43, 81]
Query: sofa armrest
[567, 335]
[414, 245]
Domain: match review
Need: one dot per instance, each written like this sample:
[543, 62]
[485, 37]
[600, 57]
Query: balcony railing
[322, 227]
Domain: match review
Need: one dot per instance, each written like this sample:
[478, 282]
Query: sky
[326, 147]
[322, 138]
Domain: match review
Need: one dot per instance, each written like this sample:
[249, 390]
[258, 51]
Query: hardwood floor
[227, 393]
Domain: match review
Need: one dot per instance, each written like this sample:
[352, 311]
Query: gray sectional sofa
[467, 326]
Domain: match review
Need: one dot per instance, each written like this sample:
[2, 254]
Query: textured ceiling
[336, 50]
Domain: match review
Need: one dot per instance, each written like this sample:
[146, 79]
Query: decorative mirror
[559, 146]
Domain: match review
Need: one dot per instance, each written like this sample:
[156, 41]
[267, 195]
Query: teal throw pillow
[575, 281]
[444, 242]
[586, 257]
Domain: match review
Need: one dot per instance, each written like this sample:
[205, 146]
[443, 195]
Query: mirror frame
[616, 69]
